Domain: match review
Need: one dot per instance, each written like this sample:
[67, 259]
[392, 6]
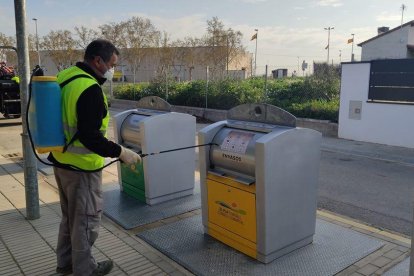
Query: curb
[365, 227]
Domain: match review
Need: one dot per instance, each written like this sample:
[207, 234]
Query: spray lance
[48, 132]
[165, 151]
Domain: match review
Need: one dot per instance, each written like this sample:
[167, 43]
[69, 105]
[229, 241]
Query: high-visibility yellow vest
[74, 81]
[16, 79]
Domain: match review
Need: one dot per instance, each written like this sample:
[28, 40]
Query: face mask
[109, 74]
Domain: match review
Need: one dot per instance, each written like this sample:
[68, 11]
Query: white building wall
[389, 124]
[49, 67]
[388, 46]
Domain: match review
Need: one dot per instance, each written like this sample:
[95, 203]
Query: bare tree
[61, 47]
[235, 47]
[5, 54]
[225, 46]
[138, 36]
[85, 36]
[6, 41]
[114, 33]
[188, 53]
[164, 54]
[11, 56]
[170, 57]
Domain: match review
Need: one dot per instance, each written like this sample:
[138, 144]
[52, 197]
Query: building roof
[411, 23]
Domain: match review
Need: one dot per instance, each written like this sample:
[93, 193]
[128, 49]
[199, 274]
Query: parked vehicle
[9, 92]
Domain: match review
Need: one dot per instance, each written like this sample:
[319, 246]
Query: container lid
[154, 103]
[44, 78]
[263, 113]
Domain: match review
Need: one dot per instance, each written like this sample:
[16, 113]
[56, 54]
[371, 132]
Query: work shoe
[103, 268]
[64, 270]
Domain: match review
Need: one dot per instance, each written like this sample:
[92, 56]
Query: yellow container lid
[44, 78]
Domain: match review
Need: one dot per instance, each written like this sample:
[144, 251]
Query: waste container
[152, 127]
[259, 181]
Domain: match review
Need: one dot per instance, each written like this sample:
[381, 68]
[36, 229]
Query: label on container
[237, 141]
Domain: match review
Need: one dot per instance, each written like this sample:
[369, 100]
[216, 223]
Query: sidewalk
[28, 247]
[371, 150]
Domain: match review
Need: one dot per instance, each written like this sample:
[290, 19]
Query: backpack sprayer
[44, 116]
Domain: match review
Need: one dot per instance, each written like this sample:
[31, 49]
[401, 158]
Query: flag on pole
[350, 40]
[254, 37]
[327, 46]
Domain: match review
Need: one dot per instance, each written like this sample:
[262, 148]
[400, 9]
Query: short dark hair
[102, 48]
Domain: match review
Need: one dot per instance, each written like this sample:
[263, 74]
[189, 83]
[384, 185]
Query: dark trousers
[81, 203]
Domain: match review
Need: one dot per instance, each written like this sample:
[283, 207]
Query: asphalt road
[378, 192]
[361, 186]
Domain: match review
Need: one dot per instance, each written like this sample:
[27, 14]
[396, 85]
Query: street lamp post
[403, 7]
[30, 165]
[227, 54]
[298, 64]
[37, 41]
[329, 37]
[255, 52]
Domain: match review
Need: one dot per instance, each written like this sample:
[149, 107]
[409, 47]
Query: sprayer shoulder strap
[74, 137]
[63, 84]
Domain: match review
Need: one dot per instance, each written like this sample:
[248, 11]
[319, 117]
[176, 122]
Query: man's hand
[129, 157]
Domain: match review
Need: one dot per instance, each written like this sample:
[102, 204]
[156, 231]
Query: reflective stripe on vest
[71, 131]
[77, 154]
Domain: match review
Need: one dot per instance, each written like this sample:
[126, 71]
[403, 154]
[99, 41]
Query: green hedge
[309, 97]
[316, 109]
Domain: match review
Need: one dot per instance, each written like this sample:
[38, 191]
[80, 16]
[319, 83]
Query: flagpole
[255, 53]
[352, 51]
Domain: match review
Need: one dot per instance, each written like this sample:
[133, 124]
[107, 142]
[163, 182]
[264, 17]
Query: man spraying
[85, 118]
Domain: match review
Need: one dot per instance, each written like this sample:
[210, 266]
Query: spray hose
[39, 72]
[164, 151]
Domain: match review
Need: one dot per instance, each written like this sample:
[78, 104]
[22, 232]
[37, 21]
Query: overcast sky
[289, 31]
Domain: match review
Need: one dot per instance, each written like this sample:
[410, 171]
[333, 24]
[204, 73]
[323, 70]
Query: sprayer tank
[45, 115]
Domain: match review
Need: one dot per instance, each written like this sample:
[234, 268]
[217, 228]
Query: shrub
[311, 97]
[189, 94]
[316, 109]
[132, 91]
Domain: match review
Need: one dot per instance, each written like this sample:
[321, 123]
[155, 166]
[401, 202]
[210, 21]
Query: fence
[392, 81]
